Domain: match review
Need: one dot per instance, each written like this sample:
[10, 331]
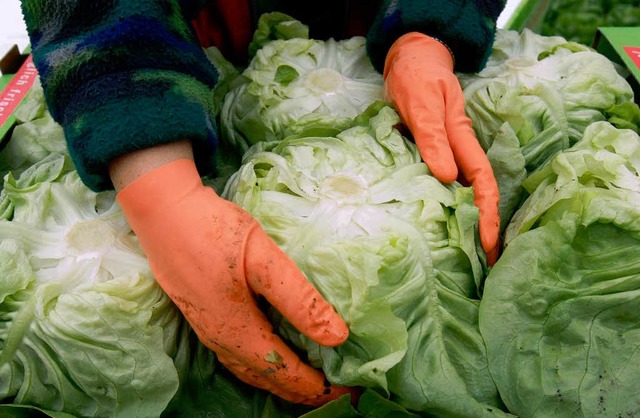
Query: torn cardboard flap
[11, 61]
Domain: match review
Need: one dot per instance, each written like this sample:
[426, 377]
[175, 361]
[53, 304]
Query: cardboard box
[622, 46]
[18, 76]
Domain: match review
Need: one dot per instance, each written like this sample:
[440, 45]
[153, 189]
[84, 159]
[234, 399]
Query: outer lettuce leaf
[625, 116]
[22, 411]
[559, 310]
[542, 92]
[394, 250]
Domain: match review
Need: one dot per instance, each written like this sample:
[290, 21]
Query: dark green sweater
[122, 75]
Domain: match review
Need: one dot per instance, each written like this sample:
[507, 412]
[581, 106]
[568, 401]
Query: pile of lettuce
[392, 248]
[559, 314]
[550, 330]
[535, 98]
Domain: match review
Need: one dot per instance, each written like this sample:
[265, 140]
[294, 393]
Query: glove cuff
[159, 188]
[453, 57]
[418, 46]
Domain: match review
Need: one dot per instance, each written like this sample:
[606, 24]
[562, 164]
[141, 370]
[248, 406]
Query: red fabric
[225, 24]
[360, 16]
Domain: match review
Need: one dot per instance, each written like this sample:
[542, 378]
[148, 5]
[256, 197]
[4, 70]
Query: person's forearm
[122, 76]
[127, 168]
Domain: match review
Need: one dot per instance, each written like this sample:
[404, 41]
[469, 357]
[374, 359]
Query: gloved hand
[212, 259]
[420, 82]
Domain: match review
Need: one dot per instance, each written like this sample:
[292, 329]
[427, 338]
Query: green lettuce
[298, 83]
[559, 309]
[393, 249]
[535, 98]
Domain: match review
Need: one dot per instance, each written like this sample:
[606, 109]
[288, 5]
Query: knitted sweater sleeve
[120, 76]
[467, 27]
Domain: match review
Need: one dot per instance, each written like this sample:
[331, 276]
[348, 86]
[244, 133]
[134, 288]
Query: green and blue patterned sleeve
[120, 76]
[467, 27]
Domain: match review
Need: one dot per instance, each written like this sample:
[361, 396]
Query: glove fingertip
[334, 334]
[272, 274]
[492, 255]
[444, 173]
[323, 324]
[489, 237]
[441, 164]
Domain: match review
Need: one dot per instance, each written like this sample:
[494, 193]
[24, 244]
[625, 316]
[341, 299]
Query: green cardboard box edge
[612, 41]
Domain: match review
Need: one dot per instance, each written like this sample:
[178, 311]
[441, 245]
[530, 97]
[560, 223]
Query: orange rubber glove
[420, 82]
[212, 259]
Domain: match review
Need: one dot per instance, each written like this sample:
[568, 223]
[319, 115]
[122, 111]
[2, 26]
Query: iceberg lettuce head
[392, 248]
[298, 83]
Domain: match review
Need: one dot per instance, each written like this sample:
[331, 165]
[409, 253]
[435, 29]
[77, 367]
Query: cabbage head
[298, 83]
[535, 98]
[393, 249]
[559, 313]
